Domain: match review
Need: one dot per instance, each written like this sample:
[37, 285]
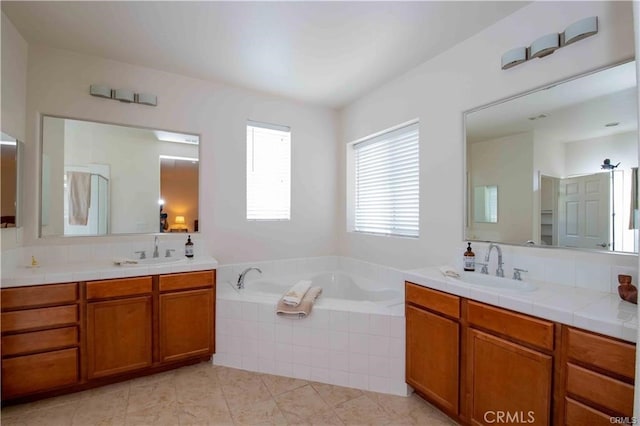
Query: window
[268, 171]
[385, 196]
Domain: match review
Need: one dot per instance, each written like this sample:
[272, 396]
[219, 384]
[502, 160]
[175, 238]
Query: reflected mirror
[102, 179]
[10, 149]
[565, 158]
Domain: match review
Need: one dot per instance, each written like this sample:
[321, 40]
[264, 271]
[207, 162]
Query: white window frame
[351, 181]
[281, 211]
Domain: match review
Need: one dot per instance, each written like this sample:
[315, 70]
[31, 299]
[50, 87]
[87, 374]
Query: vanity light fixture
[147, 99]
[549, 43]
[123, 95]
[579, 30]
[100, 91]
[544, 46]
[514, 57]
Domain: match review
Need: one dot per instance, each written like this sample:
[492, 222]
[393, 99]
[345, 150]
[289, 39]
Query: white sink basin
[161, 260]
[490, 281]
[150, 261]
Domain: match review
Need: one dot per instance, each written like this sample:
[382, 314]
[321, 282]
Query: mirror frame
[19, 181]
[466, 177]
[41, 117]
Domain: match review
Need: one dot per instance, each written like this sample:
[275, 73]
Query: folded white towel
[296, 293]
[449, 271]
[303, 309]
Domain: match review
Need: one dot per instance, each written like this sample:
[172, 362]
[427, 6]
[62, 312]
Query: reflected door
[584, 211]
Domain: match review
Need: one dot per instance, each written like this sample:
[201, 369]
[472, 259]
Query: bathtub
[353, 337]
[339, 289]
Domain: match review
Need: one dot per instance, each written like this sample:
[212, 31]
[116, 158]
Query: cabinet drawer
[612, 355]
[577, 414]
[186, 280]
[600, 389]
[39, 340]
[437, 301]
[33, 373]
[119, 287]
[50, 294]
[518, 326]
[36, 318]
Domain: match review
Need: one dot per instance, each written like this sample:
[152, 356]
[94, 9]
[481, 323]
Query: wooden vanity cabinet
[598, 377]
[432, 345]
[60, 338]
[509, 366]
[119, 326]
[186, 315]
[485, 365]
[40, 339]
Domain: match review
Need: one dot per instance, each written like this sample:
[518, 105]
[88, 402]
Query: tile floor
[205, 394]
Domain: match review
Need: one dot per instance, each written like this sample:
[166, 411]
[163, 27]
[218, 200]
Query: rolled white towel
[296, 293]
[449, 271]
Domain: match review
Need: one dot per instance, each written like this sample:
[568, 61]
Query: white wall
[508, 163]
[58, 84]
[14, 79]
[13, 99]
[586, 156]
[440, 90]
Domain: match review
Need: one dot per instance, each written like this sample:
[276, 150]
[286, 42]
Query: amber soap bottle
[188, 248]
[469, 261]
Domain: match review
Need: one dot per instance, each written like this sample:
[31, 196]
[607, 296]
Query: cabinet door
[186, 324]
[509, 383]
[39, 372]
[118, 336]
[432, 357]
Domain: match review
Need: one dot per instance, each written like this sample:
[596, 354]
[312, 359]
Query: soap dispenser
[469, 261]
[188, 248]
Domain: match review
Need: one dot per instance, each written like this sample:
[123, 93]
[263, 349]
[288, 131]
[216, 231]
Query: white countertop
[591, 310]
[98, 270]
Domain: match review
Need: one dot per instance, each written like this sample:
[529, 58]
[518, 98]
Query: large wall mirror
[10, 158]
[103, 179]
[564, 164]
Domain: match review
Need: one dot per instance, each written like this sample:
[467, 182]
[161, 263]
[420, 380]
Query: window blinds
[268, 171]
[387, 183]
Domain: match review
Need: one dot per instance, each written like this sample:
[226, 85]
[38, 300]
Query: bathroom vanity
[60, 338]
[479, 362]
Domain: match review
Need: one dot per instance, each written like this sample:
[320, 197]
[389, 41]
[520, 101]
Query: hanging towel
[294, 296]
[303, 309]
[79, 197]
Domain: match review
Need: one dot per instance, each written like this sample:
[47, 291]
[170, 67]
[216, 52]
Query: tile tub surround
[352, 348]
[598, 311]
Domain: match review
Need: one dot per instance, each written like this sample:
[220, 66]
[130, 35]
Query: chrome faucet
[499, 271]
[242, 275]
[155, 247]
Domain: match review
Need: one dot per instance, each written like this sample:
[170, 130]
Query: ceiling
[326, 53]
[576, 110]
